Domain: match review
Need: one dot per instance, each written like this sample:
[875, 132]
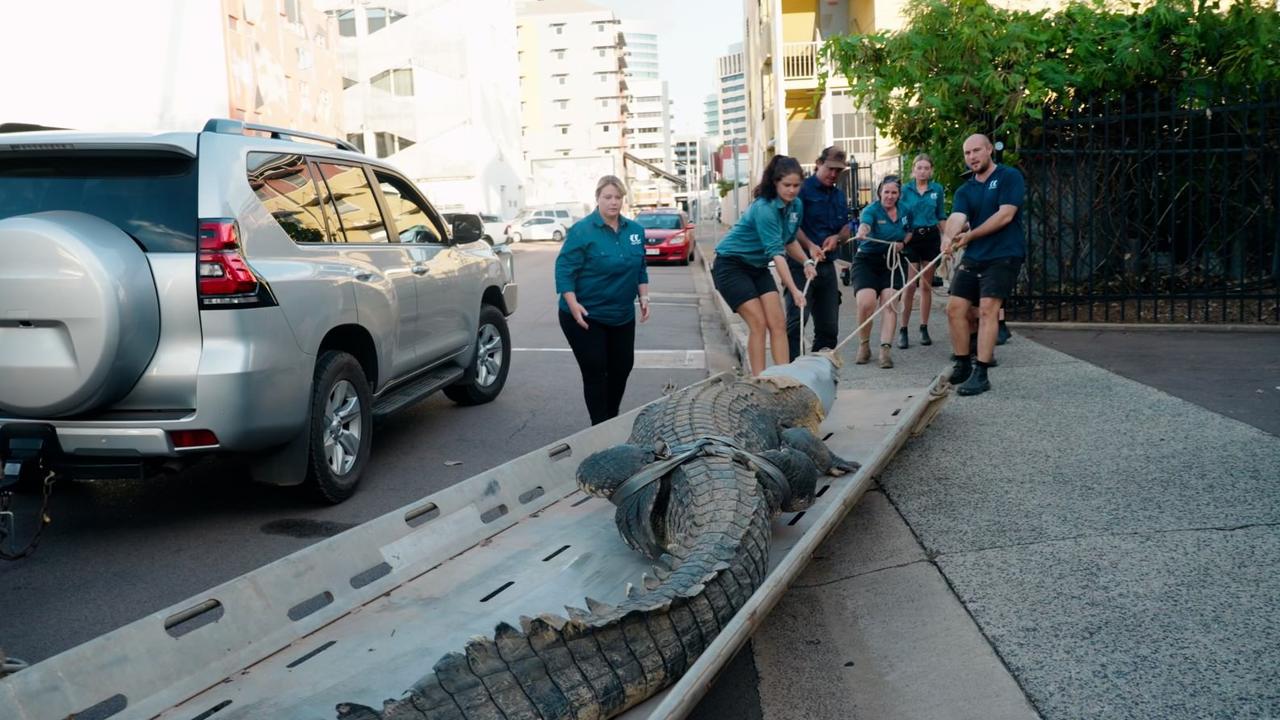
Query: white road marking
[650, 359]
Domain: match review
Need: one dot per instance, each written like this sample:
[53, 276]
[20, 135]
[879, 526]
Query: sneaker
[885, 361]
[864, 353]
[924, 335]
[846, 277]
[961, 368]
[1003, 334]
[903, 341]
[977, 382]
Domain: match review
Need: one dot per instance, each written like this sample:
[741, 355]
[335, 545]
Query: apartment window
[379, 18]
[599, 27]
[398, 81]
[356, 139]
[604, 103]
[853, 131]
[290, 11]
[559, 28]
[601, 52]
[559, 54]
[563, 104]
[346, 22]
[388, 144]
[605, 128]
[564, 129]
[560, 79]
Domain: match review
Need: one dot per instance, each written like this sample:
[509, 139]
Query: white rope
[898, 294]
[804, 311]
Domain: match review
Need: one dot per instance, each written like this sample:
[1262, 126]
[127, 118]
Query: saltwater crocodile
[699, 480]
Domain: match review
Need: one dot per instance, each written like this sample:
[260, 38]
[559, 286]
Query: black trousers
[822, 308]
[605, 355]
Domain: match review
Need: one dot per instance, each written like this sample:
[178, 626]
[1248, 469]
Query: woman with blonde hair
[923, 202]
[600, 273]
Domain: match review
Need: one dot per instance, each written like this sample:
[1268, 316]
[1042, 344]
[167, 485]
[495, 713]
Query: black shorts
[977, 279]
[926, 243]
[739, 281]
[870, 271]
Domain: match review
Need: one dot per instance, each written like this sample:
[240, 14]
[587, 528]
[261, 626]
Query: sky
[691, 35]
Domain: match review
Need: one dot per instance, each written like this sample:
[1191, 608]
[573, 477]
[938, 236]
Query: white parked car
[495, 228]
[538, 228]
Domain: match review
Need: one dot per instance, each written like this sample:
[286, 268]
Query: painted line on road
[650, 359]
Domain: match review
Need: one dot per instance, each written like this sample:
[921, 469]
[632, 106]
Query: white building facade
[573, 98]
[411, 96]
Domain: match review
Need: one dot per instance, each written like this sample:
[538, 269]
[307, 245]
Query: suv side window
[411, 216]
[357, 206]
[287, 189]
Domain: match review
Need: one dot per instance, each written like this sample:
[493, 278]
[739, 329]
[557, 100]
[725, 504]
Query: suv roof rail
[238, 127]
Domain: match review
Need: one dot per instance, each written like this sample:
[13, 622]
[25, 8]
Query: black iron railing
[1154, 209]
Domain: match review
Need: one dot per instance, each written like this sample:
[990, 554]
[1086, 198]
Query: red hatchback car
[668, 235]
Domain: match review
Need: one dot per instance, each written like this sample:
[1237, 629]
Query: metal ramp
[360, 616]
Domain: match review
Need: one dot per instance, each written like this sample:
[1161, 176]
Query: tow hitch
[23, 450]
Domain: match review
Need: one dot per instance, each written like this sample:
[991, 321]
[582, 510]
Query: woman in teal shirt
[599, 274]
[882, 224]
[741, 269]
[923, 202]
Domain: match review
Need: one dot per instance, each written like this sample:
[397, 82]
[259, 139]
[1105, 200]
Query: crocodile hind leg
[828, 463]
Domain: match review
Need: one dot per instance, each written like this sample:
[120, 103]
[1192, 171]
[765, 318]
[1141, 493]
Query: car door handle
[419, 269]
[361, 275]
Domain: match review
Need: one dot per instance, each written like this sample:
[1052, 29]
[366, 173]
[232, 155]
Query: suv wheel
[515, 237]
[341, 426]
[557, 236]
[488, 372]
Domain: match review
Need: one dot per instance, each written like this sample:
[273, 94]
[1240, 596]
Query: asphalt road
[118, 551]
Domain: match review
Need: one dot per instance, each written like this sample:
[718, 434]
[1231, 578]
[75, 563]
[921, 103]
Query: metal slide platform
[362, 615]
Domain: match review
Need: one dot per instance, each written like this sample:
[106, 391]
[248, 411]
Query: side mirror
[466, 230]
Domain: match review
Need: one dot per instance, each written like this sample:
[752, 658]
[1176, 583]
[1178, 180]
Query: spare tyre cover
[79, 316]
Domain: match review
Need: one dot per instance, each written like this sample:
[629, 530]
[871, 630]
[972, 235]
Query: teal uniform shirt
[763, 231]
[882, 228]
[603, 268]
[925, 209]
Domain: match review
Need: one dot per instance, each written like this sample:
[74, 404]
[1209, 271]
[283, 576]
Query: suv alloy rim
[489, 355]
[342, 427]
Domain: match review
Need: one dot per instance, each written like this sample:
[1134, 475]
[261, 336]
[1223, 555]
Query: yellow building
[782, 67]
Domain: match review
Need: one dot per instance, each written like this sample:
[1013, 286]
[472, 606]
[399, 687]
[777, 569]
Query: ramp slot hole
[365, 577]
[193, 618]
[895, 412]
[796, 519]
[210, 712]
[531, 495]
[824, 489]
[502, 587]
[585, 498]
[311, 654]
[827, 436]
[557, 552]
[421, 515]
[310, 605]
[560, 452]
[105, 709]
[493, 513]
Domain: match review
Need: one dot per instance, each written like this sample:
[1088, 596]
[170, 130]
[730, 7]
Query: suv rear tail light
[183, 439]
[225, 280]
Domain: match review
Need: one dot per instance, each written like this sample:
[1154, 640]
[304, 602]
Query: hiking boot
[864, 353]
[977, 382]
[961, 368]
[885, 361]
[1003, 334]
[903, 341]
[924, 335]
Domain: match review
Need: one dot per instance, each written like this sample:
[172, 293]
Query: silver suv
[237, 290]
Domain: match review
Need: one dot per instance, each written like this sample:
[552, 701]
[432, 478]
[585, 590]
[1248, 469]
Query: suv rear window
[152, 197]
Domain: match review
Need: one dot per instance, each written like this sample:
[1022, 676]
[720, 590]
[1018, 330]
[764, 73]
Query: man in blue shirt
[990, 202]
[824, 226]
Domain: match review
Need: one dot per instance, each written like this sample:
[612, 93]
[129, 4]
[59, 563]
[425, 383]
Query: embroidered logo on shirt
[933, 195]
[794, 217]
[635, 239]
[992, 185]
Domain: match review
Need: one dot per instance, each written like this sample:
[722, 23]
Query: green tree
[964, 66]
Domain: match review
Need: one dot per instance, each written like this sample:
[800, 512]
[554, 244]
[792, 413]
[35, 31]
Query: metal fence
[1147, 209]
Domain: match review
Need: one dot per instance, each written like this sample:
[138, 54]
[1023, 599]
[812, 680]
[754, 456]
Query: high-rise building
[573, 97]
[648, 116]
[158, 65]
[711, 115]
[410, 96]
[732, 93]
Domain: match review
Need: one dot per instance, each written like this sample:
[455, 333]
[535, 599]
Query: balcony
[801, 65]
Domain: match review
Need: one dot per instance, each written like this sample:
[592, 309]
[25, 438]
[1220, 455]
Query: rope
[804, 311]
[896, 296]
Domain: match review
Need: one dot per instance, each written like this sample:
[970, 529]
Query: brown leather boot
[885, 360]
[864, 352]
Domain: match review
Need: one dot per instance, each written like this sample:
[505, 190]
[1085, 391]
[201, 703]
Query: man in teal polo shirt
[991, 203]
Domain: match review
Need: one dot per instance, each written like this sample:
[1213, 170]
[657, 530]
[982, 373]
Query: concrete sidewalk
[1072, 544]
